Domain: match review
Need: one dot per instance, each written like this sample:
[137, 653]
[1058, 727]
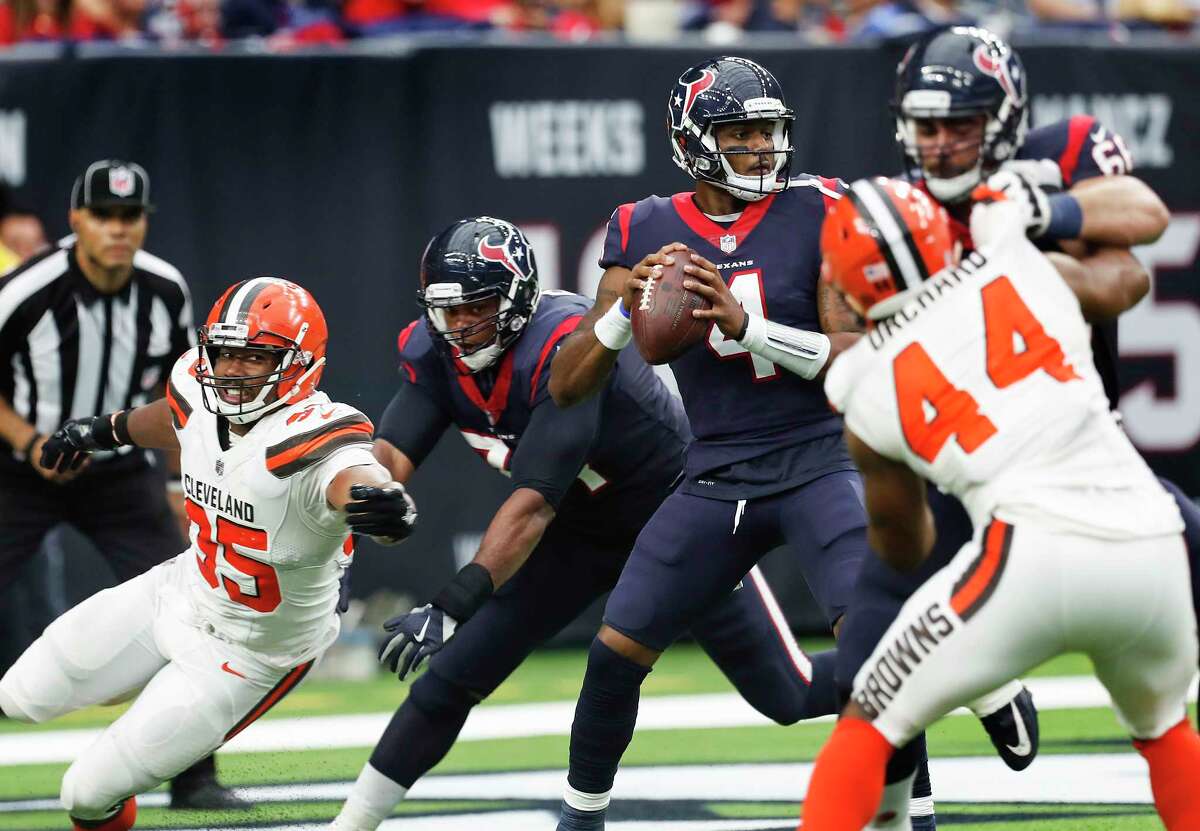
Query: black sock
[604, 718]
[911, 757]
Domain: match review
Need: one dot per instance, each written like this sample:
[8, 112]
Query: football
[663, 326]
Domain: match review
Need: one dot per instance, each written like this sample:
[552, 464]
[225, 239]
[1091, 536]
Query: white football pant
[1017, 596]
[197, 692]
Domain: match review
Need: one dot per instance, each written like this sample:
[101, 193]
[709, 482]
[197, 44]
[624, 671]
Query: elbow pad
[796, 350]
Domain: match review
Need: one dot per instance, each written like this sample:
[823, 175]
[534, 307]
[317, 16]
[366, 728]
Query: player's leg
[989, 601]
[27, 513]
[101, 650]
[1191, 537]
[563, 576]
[748, 637]
[1138, 628]
[826, 526]
[205, 695]
[129, 521]
[689, 555]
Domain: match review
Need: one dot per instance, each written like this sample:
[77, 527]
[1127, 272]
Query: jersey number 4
[265, 597]
[747, 287]
[922, 390]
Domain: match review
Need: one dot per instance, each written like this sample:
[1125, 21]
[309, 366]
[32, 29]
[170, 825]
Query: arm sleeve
[555, 446]
[413, 422]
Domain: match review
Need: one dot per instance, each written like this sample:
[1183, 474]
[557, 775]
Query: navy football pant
[742, 632]
[694, 551]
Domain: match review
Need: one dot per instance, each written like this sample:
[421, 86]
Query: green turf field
[287, 785]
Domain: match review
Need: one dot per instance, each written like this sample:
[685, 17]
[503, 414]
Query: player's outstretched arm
[900, 525]
[1120, 211]
[587, 355]
[1107, 282]
[146, 426]
[373, 502]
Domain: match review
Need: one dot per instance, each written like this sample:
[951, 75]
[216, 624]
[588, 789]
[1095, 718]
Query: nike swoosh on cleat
[225, 666]
[1023, 746]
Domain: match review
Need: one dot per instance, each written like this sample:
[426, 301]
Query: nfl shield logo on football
[121, 181]
[220, 467]
[728, 243]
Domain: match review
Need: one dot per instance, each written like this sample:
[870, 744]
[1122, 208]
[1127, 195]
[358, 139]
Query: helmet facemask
[749, 188]
[508, 324]
[272, 389]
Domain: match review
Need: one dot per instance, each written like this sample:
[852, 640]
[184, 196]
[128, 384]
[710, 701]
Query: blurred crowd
[22, 234]
[285, 23]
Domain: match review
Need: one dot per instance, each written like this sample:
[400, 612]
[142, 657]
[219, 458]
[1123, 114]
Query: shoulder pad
[183, 390]
[309, 431]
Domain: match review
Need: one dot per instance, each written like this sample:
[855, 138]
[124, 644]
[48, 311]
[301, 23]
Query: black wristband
[27, 450]
[462, 596]
[120, 427]
[101, 429]
[745, 328]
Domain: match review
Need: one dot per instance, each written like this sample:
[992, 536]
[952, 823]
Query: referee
[92, 326]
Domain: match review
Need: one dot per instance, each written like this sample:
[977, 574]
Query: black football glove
[72, 443]
[388, 514]
[414, 637]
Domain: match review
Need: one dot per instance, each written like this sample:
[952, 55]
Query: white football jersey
[984, 384]
[267, 549]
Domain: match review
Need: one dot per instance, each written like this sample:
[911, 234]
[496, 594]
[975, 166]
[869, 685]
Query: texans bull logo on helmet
[510, 252]
[682, 100]
[996, 64]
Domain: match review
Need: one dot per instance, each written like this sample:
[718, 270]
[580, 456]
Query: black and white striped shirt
[68, 351]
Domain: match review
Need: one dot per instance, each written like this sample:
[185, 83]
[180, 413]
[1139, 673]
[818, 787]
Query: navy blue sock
[423, 730]
[605, 716]
[921, 784]
[908, 759]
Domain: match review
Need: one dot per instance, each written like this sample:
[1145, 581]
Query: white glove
[1044, 172]
[999, 224]
[1026, 193]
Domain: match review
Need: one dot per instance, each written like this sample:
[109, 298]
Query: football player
[1069, 516]
[276, 476]
[768, 466]
[584, 482]
[961, 108]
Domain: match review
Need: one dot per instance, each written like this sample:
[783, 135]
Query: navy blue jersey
[1083, 148]
[758, 429]
[638, 447]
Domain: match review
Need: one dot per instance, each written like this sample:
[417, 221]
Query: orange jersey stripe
[977, 584]
[180, 409]
[272, 698]
[297, 453]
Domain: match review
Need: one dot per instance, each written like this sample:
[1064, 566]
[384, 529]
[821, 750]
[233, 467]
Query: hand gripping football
[663, 326]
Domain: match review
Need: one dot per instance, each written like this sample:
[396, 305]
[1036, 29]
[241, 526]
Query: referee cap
[112, 182]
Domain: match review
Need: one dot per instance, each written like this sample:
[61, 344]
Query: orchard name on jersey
[211, 496]
[931, 290]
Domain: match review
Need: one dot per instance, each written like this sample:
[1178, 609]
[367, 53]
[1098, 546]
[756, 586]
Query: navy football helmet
[958, 72]
[720, 91]
[472, 260]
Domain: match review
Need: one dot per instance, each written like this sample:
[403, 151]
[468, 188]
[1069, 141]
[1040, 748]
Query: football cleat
[1013, 730]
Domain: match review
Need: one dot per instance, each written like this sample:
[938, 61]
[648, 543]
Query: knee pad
[439, 698]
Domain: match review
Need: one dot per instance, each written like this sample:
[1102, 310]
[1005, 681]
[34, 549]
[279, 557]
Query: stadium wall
[333, 170]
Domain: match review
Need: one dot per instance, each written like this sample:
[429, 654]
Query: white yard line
[1107, 778]
[502, 721]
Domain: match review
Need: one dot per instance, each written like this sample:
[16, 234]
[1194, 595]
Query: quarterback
[276, 477]
[981, 379]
